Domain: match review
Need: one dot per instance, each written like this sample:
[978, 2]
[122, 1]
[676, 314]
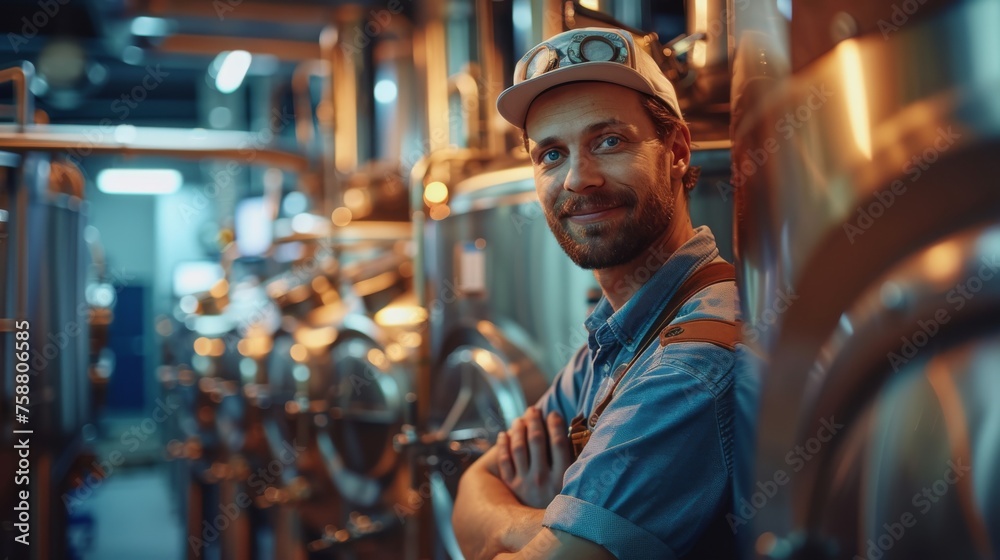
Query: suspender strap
[702, 330]
[713, 331]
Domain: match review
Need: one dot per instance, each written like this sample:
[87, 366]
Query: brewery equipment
[846, 167]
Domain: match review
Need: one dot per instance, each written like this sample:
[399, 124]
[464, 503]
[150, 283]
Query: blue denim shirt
[657, 471]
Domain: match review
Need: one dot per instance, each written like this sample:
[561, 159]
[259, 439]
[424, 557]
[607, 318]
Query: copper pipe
[468, 92]
[82, 141]
[211, 45]
[491, 78]
[24, 100]
[225, 11]
[436, 80]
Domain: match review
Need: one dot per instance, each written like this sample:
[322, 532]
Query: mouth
[591, 215]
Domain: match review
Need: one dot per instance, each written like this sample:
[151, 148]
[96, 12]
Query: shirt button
[628, 341]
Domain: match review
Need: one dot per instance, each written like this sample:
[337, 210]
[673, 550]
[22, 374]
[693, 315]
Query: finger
[504, 463]
[519, 446]
[538, 442]
[562, 452]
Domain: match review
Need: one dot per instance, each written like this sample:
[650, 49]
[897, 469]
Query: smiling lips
[595, 207]
[590, 215]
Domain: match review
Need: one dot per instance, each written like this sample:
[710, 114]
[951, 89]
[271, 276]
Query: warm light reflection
[220, 289]
[942, 261]
[255, 346]
[209, 346]
[357, 200]
[377, 358]
[297, 294]
[375, 284]
[439, 212]
[485, 360]
[341, 216]
[320, 284]
[395, 352]
[298, 352]
[202, 346]
[857, 96]
[699, 54]
[591, 4]
[314, 339]
[401, 316]
[436, 192]
[410, 339]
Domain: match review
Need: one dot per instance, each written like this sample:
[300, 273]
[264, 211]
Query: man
[653, 478]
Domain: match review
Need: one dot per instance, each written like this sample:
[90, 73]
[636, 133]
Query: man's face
[602, 175]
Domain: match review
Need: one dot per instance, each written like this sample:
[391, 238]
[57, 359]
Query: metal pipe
[345, 70]
[435, 72]
[490, 76]
[21, 76]
[468, 92]
[709, 56]
[212, 45]
[326, 118]
[82, 141]
[302, 98]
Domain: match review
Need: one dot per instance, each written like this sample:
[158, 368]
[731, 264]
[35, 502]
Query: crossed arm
[502, 497]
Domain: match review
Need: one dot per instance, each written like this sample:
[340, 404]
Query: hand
[533, 457]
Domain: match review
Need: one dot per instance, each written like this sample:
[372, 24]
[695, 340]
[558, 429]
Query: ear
[680, 140]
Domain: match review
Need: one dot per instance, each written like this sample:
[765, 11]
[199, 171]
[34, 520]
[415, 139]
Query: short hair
[664, 123]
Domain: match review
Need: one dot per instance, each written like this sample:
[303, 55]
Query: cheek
[547, 191]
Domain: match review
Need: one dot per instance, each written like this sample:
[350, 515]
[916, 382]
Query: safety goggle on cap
[588, 54]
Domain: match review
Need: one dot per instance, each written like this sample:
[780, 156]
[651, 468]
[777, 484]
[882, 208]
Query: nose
[582, 173]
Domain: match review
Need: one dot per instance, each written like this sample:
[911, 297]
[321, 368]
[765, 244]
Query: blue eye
[550, 156]
[611, 141]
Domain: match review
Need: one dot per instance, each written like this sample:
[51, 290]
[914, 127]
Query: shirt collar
[630, 323]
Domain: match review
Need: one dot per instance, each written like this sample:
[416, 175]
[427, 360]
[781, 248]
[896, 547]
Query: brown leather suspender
[714, 331]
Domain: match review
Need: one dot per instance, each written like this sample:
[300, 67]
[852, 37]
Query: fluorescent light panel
[139, 181]
[150, 27]
[232, 70]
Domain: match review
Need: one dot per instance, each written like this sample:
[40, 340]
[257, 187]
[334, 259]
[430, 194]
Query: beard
[649, 210]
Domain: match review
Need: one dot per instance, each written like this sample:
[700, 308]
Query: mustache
[574, 204]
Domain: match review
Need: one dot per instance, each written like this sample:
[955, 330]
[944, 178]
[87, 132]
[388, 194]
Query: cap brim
[514, 102]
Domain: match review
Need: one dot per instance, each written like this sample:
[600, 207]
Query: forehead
[572, 107]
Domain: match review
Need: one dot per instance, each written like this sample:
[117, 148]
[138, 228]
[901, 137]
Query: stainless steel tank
[506, 314]
[862, 164]
[338, 390]
[44, 273]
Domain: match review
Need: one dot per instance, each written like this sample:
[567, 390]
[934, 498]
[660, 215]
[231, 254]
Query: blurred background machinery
[339, 285]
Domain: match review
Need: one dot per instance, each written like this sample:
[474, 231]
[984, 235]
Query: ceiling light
[139, 181]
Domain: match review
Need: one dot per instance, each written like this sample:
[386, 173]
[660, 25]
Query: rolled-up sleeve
[657, 469]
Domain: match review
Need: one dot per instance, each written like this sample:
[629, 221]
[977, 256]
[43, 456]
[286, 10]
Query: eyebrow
[592, 128]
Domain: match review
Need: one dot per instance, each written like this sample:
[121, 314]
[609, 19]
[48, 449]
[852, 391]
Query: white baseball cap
[589, 54]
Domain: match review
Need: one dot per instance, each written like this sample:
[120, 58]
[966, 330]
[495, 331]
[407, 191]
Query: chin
[596, 258]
